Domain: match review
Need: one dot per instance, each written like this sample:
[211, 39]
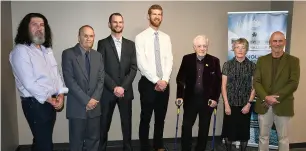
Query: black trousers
[193, 107]
[125, 109]
[41, 119]
[84, 133]
[152, 100]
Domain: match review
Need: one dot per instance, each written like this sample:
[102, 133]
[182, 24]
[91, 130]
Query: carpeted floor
[170, 147]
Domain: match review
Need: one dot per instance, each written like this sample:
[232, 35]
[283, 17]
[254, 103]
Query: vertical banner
[257, 28]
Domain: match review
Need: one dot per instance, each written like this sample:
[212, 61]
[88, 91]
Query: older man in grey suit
[83, 72]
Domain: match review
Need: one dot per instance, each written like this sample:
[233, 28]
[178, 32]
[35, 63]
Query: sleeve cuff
[155, 79]
[63, 90]
[166, 79]
[96, 98]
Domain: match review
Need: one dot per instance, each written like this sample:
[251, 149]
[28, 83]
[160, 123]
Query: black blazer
[118, 73]
[186, 78]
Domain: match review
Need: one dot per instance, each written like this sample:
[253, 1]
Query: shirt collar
[245, 60]
[278, 57]
[42, 48]
[115, 39]
[200, 58]
[153, 31]
[82, 49]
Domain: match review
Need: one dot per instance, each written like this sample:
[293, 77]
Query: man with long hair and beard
[37, 78]
[120, 70]
[155, 61]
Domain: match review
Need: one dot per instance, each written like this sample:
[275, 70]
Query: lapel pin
[206, 65]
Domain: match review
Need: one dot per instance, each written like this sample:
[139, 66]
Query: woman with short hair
[237, 92]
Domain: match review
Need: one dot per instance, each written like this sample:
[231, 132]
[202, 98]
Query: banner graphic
[257, 28]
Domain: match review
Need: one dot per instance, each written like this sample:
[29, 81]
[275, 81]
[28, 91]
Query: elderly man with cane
[198, 83]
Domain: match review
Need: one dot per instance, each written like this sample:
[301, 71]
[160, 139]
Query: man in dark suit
[198, 82]
[83, 71]
[120, 70]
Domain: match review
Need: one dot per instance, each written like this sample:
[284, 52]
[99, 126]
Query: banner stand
[257, 28]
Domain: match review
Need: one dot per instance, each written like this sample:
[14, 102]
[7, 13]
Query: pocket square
[212, 72]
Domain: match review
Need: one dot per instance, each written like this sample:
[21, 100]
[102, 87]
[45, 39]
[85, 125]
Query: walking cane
[214, 128]
[178, 103]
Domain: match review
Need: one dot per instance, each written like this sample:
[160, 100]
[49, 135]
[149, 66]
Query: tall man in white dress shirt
[37, 78]
[155, 61]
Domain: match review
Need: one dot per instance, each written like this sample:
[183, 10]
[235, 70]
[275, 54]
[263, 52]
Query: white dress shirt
[118, 44]
[36, 72]
[146, 54]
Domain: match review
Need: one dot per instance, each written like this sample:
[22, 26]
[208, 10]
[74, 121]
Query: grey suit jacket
[82, 88]
[118, 73]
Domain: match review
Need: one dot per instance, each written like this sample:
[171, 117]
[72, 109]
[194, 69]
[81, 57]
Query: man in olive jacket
[276, 79]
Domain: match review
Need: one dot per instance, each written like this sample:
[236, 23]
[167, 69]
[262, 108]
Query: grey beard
[38, 40]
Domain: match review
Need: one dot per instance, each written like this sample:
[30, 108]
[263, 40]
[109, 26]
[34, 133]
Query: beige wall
[0, 88]
[9, 126]
[298, 124]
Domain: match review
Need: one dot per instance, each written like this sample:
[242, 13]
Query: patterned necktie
[159, 71]
[87, 63]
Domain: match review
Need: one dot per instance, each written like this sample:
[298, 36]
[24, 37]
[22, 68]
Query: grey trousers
[84, 133]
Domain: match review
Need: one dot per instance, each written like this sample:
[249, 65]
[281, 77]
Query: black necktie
[87, 63]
